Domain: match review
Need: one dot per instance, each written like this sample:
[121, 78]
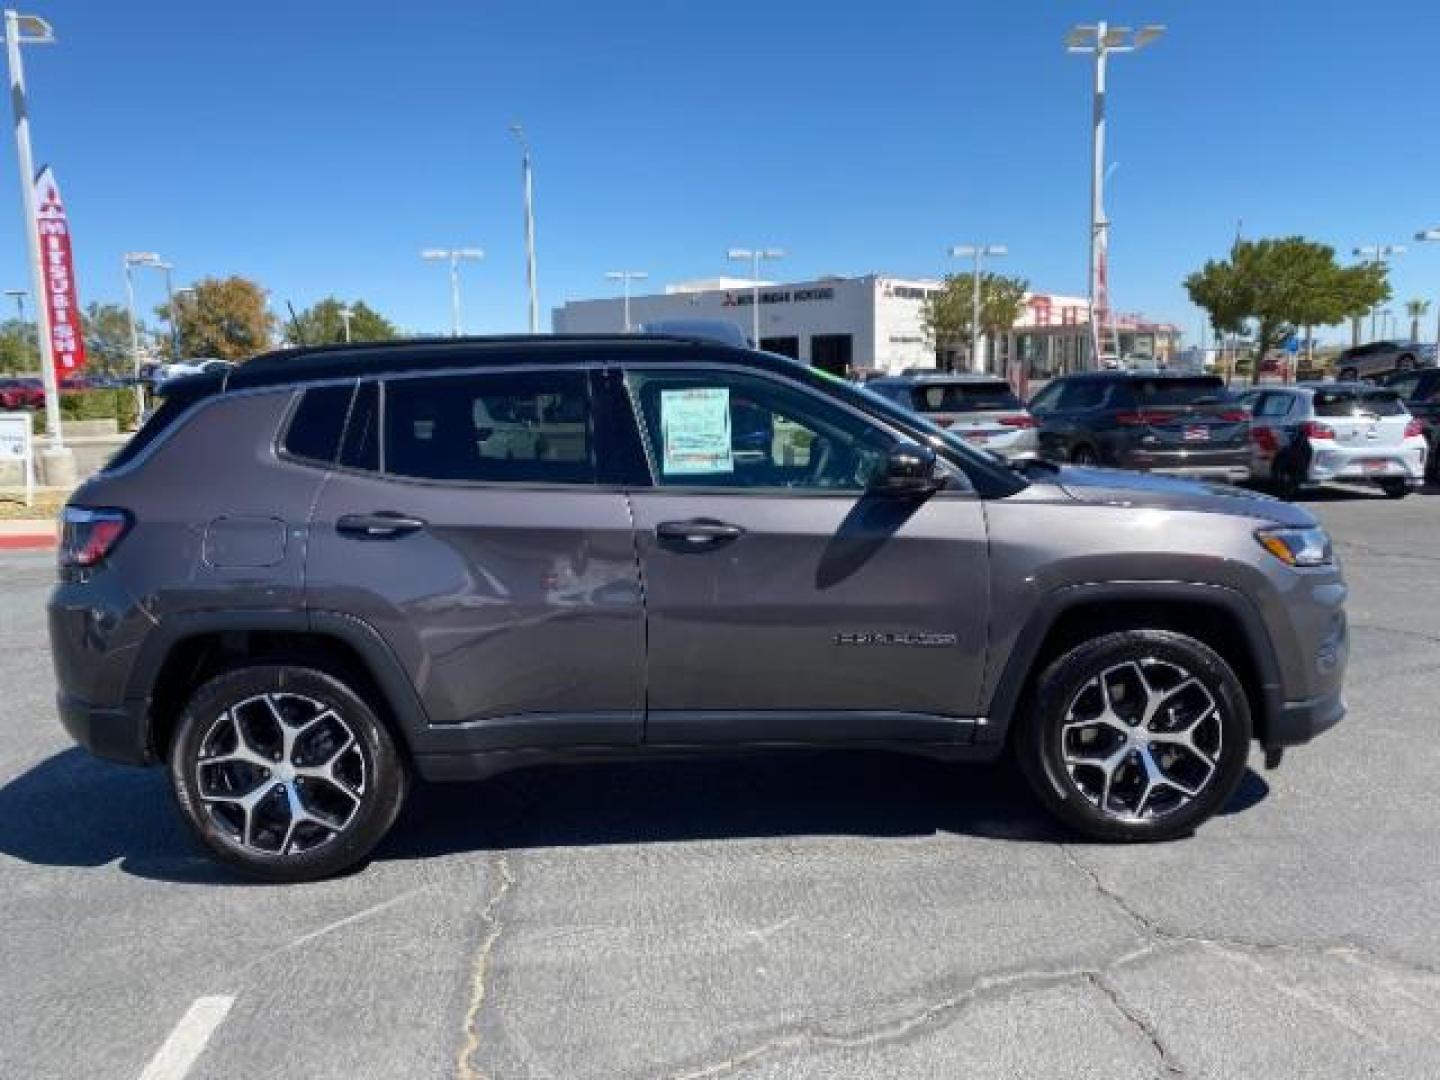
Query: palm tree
[1416, 309]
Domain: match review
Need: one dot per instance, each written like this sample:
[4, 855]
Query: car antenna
[295, 325]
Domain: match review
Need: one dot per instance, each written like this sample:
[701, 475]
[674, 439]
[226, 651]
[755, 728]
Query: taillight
[1235, 416]
[1414, 428]
[1131, 419]
[1313, 429]
[89, 535]
[1265, 439]
[1020, 420]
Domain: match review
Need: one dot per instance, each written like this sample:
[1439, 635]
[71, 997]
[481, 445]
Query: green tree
[223, 317]
[107, 338]
[1417, 310]
[947, 316]
[17, 347]
[1272, 288]
[323, 323]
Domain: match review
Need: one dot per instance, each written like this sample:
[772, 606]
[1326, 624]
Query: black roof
[315, 363]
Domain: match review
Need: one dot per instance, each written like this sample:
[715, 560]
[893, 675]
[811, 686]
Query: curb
[27, 543]
[27, 535]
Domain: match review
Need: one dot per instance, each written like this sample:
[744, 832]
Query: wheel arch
[1213, 614]
[187, 650]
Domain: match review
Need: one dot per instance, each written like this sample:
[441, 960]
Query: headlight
[1298, 547]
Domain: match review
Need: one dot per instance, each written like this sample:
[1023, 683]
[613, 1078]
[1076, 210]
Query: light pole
[149, 259]
[454, 256]
[754, 256]
[626, 276]
[977, 252]
[1377, 253]
[1431, 236]
[18, 295]
[345, 316]
[33, 30]
[527, 178]
[1100, 41]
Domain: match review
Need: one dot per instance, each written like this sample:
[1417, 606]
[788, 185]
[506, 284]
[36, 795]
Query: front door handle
[384, 525]
[701, 534]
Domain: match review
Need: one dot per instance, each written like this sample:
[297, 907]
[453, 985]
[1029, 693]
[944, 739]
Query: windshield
[932, 397]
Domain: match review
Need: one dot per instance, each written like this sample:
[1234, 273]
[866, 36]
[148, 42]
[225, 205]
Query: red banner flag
[62, 303]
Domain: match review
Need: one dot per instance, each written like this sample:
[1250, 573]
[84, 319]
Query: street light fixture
[977, 252]
[18, 295]
[527, 179]
[454, 256]
[1377, 253]
[754, 256]
[1100, 41]
[626, 276]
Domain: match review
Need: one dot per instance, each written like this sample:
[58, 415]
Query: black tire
[1395, 489]
[1084, 456]
[1348, 374]
[1040, 740]
[1405, 363]
[363, 792]
[1285, 479]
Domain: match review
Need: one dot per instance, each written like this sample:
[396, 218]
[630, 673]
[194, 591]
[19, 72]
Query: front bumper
[116, 734]
[1297, 722]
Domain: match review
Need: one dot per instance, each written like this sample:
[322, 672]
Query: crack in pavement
[982, 989]
[465, 1069]
[1339, 949]
[1111, 992]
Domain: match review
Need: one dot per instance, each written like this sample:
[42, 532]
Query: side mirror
[908, 470]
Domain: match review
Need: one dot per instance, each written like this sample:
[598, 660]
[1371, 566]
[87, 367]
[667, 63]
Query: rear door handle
[384, 525]
[698, 535]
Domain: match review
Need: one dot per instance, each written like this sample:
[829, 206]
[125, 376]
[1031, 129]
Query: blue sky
[318, 146]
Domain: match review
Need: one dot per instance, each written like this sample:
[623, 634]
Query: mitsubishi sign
[57, 259]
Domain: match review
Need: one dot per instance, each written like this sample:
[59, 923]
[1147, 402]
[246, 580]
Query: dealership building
[873, 323]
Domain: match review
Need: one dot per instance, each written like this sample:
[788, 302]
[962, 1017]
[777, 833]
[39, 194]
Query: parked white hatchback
[1313, 433]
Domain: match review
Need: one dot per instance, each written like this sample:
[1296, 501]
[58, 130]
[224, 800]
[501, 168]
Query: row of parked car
[28, 392]
[1288, 437]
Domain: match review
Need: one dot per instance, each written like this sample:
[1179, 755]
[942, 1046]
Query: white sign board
[17, 444]
[695, 431]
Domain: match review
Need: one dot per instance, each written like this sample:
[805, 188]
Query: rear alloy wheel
[1395, 489]
[1138, 735]
[1405, 363]
[1348, 374]
[285, 773]
[1083, 455]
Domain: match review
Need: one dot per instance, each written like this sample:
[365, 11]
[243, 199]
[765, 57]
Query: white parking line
[187, 1042]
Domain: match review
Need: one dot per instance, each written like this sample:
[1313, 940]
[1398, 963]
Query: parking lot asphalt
[812, 916]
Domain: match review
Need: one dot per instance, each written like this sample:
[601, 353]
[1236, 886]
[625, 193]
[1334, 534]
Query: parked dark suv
[307, 581]
[1155, 422]
[1420, 390]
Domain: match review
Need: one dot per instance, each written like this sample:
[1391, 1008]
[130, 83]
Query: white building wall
[881, 315]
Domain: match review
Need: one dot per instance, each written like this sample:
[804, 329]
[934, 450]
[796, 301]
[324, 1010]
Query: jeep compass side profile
[309, 580]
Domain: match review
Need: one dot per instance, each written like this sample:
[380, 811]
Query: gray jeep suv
[307, 581]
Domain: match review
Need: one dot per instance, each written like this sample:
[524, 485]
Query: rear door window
[1275, 405]
[493, 427]
[1339, 404]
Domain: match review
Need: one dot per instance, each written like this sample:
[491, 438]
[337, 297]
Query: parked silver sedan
[982, 409]
[1310, 434]
[1378, 358]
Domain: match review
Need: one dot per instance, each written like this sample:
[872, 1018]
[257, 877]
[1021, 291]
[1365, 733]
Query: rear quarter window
[318, 422]
[964, 397]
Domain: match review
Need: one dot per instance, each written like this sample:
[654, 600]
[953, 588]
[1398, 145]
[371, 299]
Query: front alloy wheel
[1135, 735]
[1142, 739]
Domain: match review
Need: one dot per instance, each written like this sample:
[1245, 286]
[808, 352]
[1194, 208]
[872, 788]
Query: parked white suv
[1314, 433]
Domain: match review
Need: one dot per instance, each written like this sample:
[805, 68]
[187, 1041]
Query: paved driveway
[798, 917]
